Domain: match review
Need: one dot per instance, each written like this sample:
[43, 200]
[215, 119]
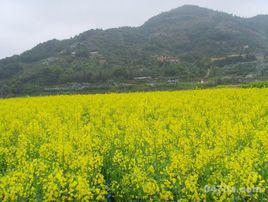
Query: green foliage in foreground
[257, 84]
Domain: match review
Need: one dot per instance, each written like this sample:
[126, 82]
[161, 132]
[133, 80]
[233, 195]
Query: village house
[260, 56]
[94, 53]
[168, 58]
[102, 61]
[142, 78]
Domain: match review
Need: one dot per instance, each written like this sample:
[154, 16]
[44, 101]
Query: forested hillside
[185, 45]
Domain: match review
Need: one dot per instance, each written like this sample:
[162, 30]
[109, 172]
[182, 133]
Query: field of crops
[186, 145]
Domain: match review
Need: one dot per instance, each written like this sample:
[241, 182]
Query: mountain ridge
[259, 16]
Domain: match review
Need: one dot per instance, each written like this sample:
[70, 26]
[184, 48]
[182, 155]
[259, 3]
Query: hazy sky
[25, 23]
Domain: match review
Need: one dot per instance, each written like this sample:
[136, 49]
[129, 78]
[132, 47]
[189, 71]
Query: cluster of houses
[244, 55]
[94, 54]
[168, 58]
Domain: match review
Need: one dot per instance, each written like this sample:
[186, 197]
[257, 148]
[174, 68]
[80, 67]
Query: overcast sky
[25, 23]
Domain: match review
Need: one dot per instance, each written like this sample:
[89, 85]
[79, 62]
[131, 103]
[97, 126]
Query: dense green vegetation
[187, 44]
[257, 84]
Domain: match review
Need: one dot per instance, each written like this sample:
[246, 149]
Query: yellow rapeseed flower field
[200, 145]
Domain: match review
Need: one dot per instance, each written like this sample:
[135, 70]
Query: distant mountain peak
[190, 6]
[182, 12]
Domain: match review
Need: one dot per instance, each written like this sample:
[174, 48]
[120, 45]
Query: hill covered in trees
[185, 45]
